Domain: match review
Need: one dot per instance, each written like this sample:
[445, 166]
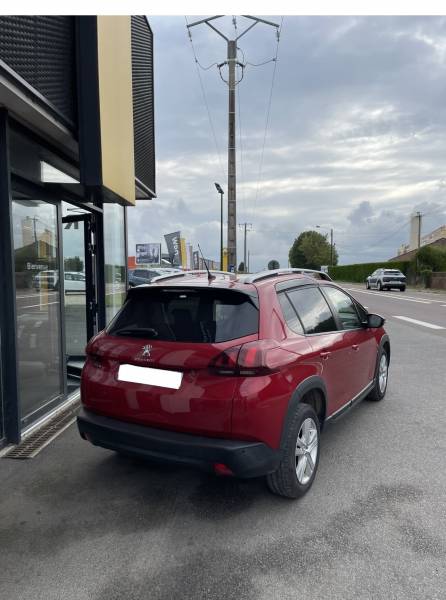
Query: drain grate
[35, 442]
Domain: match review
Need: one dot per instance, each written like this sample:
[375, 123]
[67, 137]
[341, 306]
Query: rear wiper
[139, 332]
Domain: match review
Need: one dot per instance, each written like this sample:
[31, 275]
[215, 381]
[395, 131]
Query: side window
[344, 307]
[289, 314]
[313, 310]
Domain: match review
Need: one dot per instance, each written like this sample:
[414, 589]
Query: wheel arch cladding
[311, 391]
[385, 343]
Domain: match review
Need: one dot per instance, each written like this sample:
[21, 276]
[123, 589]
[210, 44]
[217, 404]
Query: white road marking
[428, 299]
[36, 295]
[381, 295]
[406, 297]
[416, 322]
[37, 305]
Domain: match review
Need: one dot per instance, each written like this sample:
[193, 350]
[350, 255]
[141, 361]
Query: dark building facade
[76, 150]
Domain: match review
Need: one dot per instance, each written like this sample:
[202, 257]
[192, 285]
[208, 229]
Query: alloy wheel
[383, 373]
[307, 448]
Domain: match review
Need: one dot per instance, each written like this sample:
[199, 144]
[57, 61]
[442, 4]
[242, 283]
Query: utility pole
[232, 63]
[331, 246]
[245, 226]
[419, 215]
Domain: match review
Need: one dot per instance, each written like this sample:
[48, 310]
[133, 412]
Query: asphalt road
[421, 310]
[78, 522]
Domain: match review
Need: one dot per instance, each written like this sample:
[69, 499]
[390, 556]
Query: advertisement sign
[173, 244]
[196, 262]
[148, 254]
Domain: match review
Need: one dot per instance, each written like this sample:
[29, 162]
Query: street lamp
[331, 241]
[221, 192]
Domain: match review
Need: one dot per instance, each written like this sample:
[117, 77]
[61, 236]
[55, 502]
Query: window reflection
[37, 303]
[114, 251]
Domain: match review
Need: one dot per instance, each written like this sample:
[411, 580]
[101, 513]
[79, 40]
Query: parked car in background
[143, 276]
[74, 281]
[234, 374]
[46, 280]
[386, 279]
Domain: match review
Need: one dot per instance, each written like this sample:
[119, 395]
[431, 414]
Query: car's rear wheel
[379, 286]
[381, 377]
[298, 467]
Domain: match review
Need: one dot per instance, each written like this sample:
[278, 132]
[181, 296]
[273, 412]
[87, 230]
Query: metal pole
[244, 250]
[221, 231]
[331, 247]
[232, 232]
[419, 229]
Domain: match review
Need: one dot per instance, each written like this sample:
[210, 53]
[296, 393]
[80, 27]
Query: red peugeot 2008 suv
[237, 374]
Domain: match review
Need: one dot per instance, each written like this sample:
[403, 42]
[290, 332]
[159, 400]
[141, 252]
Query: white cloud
[358, 126]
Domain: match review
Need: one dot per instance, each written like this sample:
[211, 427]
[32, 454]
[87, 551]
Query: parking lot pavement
[79, 522]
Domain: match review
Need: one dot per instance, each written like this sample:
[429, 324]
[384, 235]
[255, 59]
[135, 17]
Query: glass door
[36, 255]
[78, 287]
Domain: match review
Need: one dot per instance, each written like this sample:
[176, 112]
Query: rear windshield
[202, 315]
[392, 272]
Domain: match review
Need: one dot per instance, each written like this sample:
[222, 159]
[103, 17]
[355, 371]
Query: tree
[432, 257]
[311, 250]
[73, 264]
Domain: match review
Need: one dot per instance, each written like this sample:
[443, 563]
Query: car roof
[224, 280]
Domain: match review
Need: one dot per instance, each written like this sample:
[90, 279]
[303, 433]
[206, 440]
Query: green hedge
[358, 273]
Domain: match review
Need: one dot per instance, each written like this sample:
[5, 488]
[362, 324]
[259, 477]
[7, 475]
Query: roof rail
[232, 276]
[275, 272]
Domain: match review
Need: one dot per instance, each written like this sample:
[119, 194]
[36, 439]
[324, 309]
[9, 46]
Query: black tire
[377, 394]
[403, 289]
[367, 285]
[284, 481]
[379, 286]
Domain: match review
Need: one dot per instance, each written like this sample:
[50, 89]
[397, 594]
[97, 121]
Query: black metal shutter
[143, 104]
[41, 49]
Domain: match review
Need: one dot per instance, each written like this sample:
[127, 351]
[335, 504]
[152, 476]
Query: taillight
[255, 358]
[226, 362]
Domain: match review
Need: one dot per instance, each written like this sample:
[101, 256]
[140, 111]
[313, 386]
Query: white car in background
[74, 281]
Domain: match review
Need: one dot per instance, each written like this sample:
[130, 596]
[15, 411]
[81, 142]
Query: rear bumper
[393, 285]
[245, 459]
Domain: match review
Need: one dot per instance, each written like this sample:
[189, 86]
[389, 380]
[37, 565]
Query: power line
[205, 99]
[268, 112]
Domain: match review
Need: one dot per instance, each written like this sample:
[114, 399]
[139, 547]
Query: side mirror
[374, 321]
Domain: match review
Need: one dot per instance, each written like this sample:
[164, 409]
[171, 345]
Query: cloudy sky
[356, 137]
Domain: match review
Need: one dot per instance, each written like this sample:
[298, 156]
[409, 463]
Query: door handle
[325, 355]
[355, 347]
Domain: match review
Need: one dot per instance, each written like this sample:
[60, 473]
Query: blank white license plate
[149, 376]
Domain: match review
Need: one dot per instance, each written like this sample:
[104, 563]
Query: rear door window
[188, 315]
[313, 310]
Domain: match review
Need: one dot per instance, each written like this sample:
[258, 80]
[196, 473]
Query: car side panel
[261, 403]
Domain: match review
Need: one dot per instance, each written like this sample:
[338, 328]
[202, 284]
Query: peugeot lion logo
[146, 350]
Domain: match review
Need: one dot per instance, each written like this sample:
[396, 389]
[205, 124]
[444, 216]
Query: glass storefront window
[114, 251]
[36, 251]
